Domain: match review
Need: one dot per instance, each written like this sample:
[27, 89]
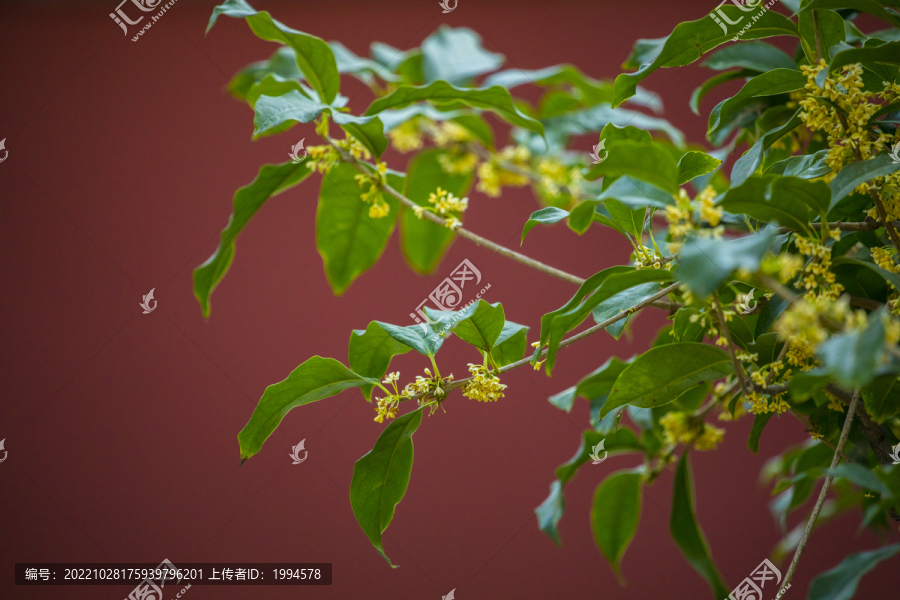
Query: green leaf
[710, 84]
[882, 397]
[771, 83]
[282, 66]
[271, 181]
[759, 423]
[684, 330]
[362, 68]
[851, 358]
[747, 165]
[547, 216]
[886, 54]
[423, 242]
[380, 478]
[840, 582]
[860, 172]
[495, 99]
[456, 55]
[620, 302]
[635, 193]
[316, 379]
[550, 512]
[690, 40]
[756, 56]
[647, 162]
[615, 514]
[421, 338]
[686, 531]
[759, 198]
[631, 221]
[860, 476]
[806, 166]
[831, 31]
[482, 329]
[622, 440]
[349, 240]
[613, 134]
[600, 381]
[705, 263]
[511, 345]
[661, 374]
[371, 351]
[595, 118]
[314, 57]
[891, 278]
[695, 164]
[867, 6]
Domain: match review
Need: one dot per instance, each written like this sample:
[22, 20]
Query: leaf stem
[723, 328]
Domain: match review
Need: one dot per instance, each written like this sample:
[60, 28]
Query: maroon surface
[121, 427]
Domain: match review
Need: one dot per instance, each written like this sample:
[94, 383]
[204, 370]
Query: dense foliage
[781, 281]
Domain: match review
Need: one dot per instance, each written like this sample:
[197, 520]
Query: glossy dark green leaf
[806, 166]
[551, 511]
[371, 351]
[511, 345]
[891, 278]
[851, 358]
[547, 216]
[860, 172]
[759, 423]
[758, 198]
[349, 240]
[867, 6]
[887, 54]
[684, 329]
[831, 31]
[629, 220]
[705, 263]
[770, 83]
[271, 181]
[710, 84]
[422, 338]
[495, 99]
[694, 164]
[686, 531]
[316, 379]
[483, 327]
[314, 57]
[747, 165]
[757, 56]
[647, 162]
[635, 193]
[423, 242]
[380, 478]
[615, 513]
[840, 583]
[621, 302]
[456, 55]
[690, 40]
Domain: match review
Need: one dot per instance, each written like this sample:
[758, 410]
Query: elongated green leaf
[759, 423]
[851, 357]
[887, 54]
[615, 514]
[705, 262]
[456, 55]
[882, 397]
[755, 198]
[694, 164]
[831, 31]
[747, 165]
[686, 531]
[860, 172]
[421, 338]
[807, 166]
[690, 40]
[316, 379]
[710, 84]
[621, 302]
[282, 65]
[547, 216]
[371, 351]
[425, 243]
[891, 278]
[629, 220]
[483, 327]
[314, 56]
[495, 99]
[867, 6]
[594, 386]
[622, 440]
[635, 193]
[349, 240]
[840, 582]
[661, 374]
[511, 345]
[271, 181]
[860, 476]
[363, 69]
[595, 118]
[770, 83]
[757, 56]
[380, 478]
[647, 162]
[551, 511]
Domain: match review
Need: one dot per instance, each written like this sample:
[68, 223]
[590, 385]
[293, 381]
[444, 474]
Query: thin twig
[888, 225]
[867, 225]
[723, 328]
[845, 432]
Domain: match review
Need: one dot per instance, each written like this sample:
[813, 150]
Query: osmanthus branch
[845, 432]
[867, 225]
[461, 231]
[485, 154]
[723, 328]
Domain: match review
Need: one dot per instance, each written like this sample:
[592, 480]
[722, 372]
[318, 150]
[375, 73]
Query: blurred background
[121, 427]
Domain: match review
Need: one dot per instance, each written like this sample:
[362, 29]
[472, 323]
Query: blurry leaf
[747, 165]
[695, 164]
[595, 118]
[851, 358]
[371, 351]
[550, 512]
[547, 216]
[705, 262]
[840, 582]
[615, 514]
[860, 172]
[891, 278]
[635, 193]
[882, 397]
[380, 478]
[759, 199]
[758, 56]
[363, 68]
[759, 423]
[860, 477]
[456, 55]
[511, 345]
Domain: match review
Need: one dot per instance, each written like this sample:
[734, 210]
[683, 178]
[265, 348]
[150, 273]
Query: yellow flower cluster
[446, 205]
[375, 195]
[323, 158]
[761, 404]
[554, 175]
[783, 267]
[679, 429]
[650, 257]
[884, 258]
[817, 278]
[835, 403]
[681, 217]
[457, 163]
[407, 136]
[447, 133]
[492, 176]
[485, 386]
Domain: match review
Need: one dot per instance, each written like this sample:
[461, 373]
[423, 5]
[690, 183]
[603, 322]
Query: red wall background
[121, 427]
